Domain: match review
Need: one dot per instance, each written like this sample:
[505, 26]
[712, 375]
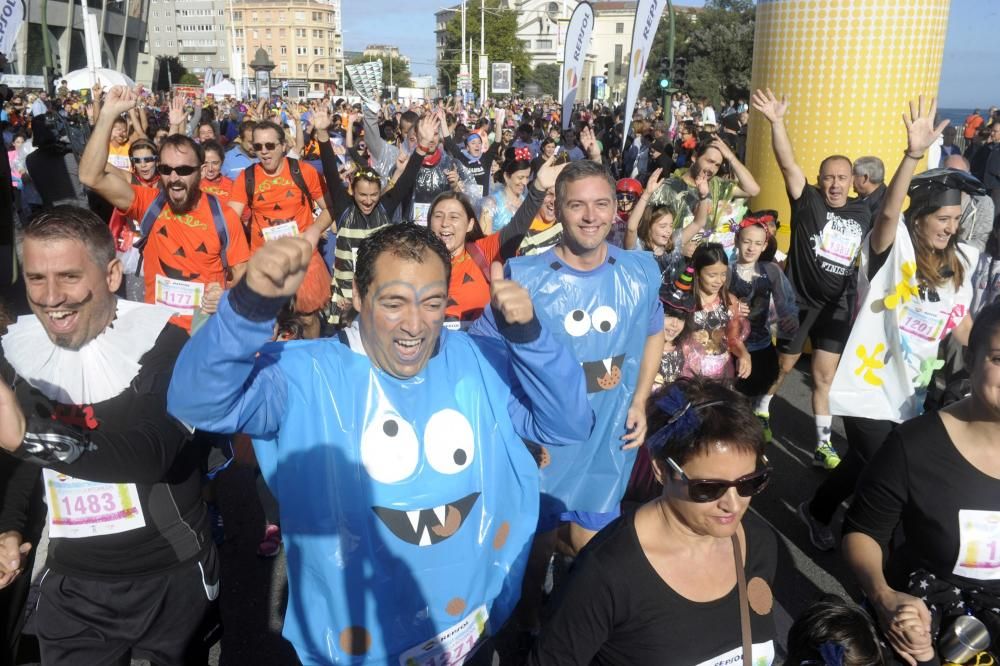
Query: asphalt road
[253, 589]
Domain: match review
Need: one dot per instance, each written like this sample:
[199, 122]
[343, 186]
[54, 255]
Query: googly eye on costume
[449, 443]
[577, 323]
[604, 319]
[389, 448]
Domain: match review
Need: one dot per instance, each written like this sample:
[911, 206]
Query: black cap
[943, 187]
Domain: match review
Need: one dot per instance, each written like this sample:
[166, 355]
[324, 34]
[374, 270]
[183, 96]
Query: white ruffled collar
[98, 371]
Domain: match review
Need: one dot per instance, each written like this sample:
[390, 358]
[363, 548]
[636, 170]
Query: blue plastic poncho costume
[604, 316]
[407, 506]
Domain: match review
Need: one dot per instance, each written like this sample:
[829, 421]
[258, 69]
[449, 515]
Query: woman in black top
[938, 476]
[659, 586]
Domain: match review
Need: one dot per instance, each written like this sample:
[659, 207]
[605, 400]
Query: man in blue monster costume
[602, 302]
[408, 498]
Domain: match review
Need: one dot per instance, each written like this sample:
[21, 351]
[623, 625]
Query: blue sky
[970, 75]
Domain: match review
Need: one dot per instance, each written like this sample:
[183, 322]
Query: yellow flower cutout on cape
[905, 289]
[869, 364]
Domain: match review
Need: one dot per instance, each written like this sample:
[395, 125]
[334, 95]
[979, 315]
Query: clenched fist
[278, 268]
[509, 298]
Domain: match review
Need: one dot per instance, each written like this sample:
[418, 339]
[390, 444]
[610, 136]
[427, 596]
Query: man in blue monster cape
[408, 498]
[602, 303]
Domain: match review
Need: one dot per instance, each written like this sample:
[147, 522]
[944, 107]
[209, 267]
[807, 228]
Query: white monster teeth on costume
[441, 512]
[425, 538]
[414, 517]
[607, 364]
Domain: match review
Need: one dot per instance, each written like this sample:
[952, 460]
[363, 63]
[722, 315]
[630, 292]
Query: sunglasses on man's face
[261, 146]
[144, 160]
[181, 170]
[709, 490]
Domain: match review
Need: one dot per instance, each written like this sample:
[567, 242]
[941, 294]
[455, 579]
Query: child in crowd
[714, 340]
[678, 303]
[832, 632]
[757, 284]
[654, 229]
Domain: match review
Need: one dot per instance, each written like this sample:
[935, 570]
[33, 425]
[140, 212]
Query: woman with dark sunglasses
[659, 585]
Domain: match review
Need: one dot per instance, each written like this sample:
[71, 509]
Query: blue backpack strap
[149, 217]
[220, 227]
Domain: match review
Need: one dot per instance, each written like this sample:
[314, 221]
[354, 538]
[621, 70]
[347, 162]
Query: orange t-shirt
[469, 289]
[221, 187]
[972, 124]
[186, 247]
[277, 199]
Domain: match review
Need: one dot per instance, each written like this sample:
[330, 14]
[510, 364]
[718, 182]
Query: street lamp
[262, 66]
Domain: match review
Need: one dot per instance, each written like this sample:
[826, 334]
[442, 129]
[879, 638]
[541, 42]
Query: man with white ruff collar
[131, 569]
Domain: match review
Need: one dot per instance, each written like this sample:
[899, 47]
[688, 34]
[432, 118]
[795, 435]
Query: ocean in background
[958, 116]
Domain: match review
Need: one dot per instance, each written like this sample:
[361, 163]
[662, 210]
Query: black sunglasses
[182, 170]
[262, 146]
[709, 490]
[143, 160]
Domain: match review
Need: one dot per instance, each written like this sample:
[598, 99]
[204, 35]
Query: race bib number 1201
[979, 545]
[452, 646]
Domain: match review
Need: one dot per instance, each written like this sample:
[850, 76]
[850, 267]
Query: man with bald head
[827, 230]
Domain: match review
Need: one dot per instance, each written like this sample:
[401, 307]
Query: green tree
[176, 69]
[546, 76]
[400, 69]
[718, 45]
[189, 79]
[502, 44]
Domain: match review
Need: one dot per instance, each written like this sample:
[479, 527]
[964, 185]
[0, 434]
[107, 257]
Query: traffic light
[679, 72]
[664, 73]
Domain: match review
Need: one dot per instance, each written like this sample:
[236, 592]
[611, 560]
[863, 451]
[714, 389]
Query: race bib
[453, 325]
[283, 230]
[838, 244]
[452, 646]
[762, 655]
[924, 321]
[179, 295]
[979, 545]
[420, 212]
[79, 509]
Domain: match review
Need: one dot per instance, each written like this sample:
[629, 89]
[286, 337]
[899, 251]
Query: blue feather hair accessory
[684, 418]
[832, 653]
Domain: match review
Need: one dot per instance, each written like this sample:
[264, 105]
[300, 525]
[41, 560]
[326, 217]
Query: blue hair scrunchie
[832, 653]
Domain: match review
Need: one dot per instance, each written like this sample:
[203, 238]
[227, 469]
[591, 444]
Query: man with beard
[190, 239]
[681, 190]
[130, 569]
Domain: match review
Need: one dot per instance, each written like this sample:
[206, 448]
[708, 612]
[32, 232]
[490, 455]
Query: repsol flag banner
[581, 24]
[12, 14]
[647, 19]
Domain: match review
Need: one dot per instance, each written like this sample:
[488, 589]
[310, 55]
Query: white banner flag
[647, 20]
[12, 13]
[581, 24]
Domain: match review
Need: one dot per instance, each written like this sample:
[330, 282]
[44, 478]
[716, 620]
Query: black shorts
[88, 621]
[763, 373]
[827, 327]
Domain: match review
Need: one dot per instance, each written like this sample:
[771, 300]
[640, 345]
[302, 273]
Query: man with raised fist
[408, 498]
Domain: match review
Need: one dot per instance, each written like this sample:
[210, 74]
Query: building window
[318, 51]
[544, 43]
[255, 34]
[253, 16]
[319, 68]
[156, 28]
[300, 16]
[301, 68]
[618, 59]
[283, 67]
[237, 16]
[300, 32]
[170, 43]
[284, 50]
[620, 28]
[239, 33]
[301, 50]
[156, 44]
[267, 33]
[282, 32]
[317, 16]
[318, 34]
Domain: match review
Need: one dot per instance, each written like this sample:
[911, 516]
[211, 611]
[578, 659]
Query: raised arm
[427, 137]
[512, 234]
[95, 156]
[920, 135]
[748, 186]
[321, 121]
[177, 116]
[639, 209]
[774, 110]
